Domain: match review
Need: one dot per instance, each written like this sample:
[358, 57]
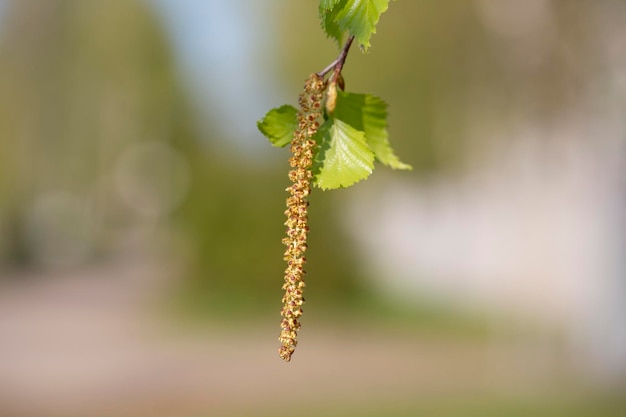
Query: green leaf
[343, 157]
[328, 4]
[359, 17]
[368, 114]
[279, 125]
[328, 10]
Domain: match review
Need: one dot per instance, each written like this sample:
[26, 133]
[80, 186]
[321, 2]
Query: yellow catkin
[302, 148]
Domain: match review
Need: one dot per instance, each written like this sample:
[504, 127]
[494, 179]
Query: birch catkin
[302, 149]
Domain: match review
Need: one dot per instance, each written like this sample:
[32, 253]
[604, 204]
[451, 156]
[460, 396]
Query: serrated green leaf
[279, 125]
[368, 114]
[328, 10]
[360, 17]
[344, 155]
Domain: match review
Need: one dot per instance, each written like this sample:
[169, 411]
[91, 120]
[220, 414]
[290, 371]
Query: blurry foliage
[82, 81]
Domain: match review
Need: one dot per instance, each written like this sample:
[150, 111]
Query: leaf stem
[337, 64]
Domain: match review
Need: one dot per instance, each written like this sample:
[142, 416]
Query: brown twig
[337, 64]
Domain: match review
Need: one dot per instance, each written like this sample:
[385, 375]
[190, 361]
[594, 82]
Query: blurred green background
[141, 214]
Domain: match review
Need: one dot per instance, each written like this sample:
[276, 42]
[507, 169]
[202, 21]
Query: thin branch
[337, 64]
